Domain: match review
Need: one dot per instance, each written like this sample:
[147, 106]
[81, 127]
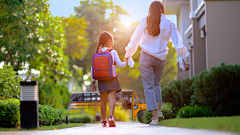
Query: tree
[77, 44]
[94, 11]
[31, 36]
[170, 69]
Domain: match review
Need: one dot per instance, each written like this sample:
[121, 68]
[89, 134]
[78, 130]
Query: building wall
[223, 32]
[199, 50]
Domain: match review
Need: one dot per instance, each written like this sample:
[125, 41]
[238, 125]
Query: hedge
[219, 89]
[9, 83]
[10, 114]
[49, 115]
[195, 111]
[56, 95]
[79, 118]
[178, 92]
[166, 110]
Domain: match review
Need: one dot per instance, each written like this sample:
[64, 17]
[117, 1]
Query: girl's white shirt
[156, 45]
[115, 57]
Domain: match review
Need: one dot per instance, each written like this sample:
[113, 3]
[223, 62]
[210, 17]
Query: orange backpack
[103, 66]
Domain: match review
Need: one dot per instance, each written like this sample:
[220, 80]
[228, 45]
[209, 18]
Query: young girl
[108, 88]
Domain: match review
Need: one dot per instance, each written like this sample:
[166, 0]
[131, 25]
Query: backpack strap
[108, 50]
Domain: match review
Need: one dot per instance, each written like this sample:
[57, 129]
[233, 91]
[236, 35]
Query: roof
[172, 6]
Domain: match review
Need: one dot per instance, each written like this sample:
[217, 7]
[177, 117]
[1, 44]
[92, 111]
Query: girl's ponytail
[98, 46]
[103, 39]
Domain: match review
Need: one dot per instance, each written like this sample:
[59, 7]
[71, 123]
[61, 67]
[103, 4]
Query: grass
[54, 127]
[231, 124]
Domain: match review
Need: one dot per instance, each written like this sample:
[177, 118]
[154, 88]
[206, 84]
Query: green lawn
[64, 125]
[231, 124]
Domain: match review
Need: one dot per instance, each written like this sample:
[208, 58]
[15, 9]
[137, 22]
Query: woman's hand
[187, 65]
[93, 86]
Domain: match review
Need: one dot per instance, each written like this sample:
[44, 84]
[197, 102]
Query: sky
[136, 8]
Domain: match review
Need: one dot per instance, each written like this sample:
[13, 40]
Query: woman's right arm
[132, 46]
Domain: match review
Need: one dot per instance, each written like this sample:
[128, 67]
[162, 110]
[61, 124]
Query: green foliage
[31, 36]
[49, 115]
[80, 118]
[179, 92]
[9, 113]
[94, 12]
[77, 44]
[147, 117]
[75, 32]
[56, 95]
[166, 110]
[219, 89]
[9, 83]
[170, 69]
[195, 111]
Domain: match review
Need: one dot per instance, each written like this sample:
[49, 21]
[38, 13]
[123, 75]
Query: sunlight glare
[127, 24]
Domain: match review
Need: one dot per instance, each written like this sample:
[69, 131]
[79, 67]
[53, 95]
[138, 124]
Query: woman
[153, 34]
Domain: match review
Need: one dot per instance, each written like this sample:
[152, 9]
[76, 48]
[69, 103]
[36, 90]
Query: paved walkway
[123, 128]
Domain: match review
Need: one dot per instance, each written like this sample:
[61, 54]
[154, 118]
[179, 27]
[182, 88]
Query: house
[210, 30]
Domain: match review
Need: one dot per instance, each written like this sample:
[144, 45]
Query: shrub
[80, 118]
[9, 83]
[49, 115]
[172, 93]
[9, 113]
[166, 110]
[195, 111]
[219, 89]
[179, 92]
[56, 95]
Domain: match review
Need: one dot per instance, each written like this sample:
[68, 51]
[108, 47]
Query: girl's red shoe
[111, 121]
[104, 123]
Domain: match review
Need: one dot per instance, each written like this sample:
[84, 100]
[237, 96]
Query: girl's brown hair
[154, 18]
[104, 37]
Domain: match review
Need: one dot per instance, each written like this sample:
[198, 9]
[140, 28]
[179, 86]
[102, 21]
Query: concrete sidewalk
[123, 128]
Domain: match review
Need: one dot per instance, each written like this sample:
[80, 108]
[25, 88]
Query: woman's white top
[156, 46]
[115, 57]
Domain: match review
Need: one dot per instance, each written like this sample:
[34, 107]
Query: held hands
[126, 60]
[187, 65]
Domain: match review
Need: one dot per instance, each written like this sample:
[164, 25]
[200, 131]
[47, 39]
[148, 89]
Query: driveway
[123, 128]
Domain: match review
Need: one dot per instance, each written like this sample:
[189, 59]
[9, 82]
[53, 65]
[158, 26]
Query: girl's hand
[187, 65]
[93, 86]
[126, 60]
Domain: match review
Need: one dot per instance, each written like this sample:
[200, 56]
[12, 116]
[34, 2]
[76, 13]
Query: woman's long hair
[104, 37]
[154, 18]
